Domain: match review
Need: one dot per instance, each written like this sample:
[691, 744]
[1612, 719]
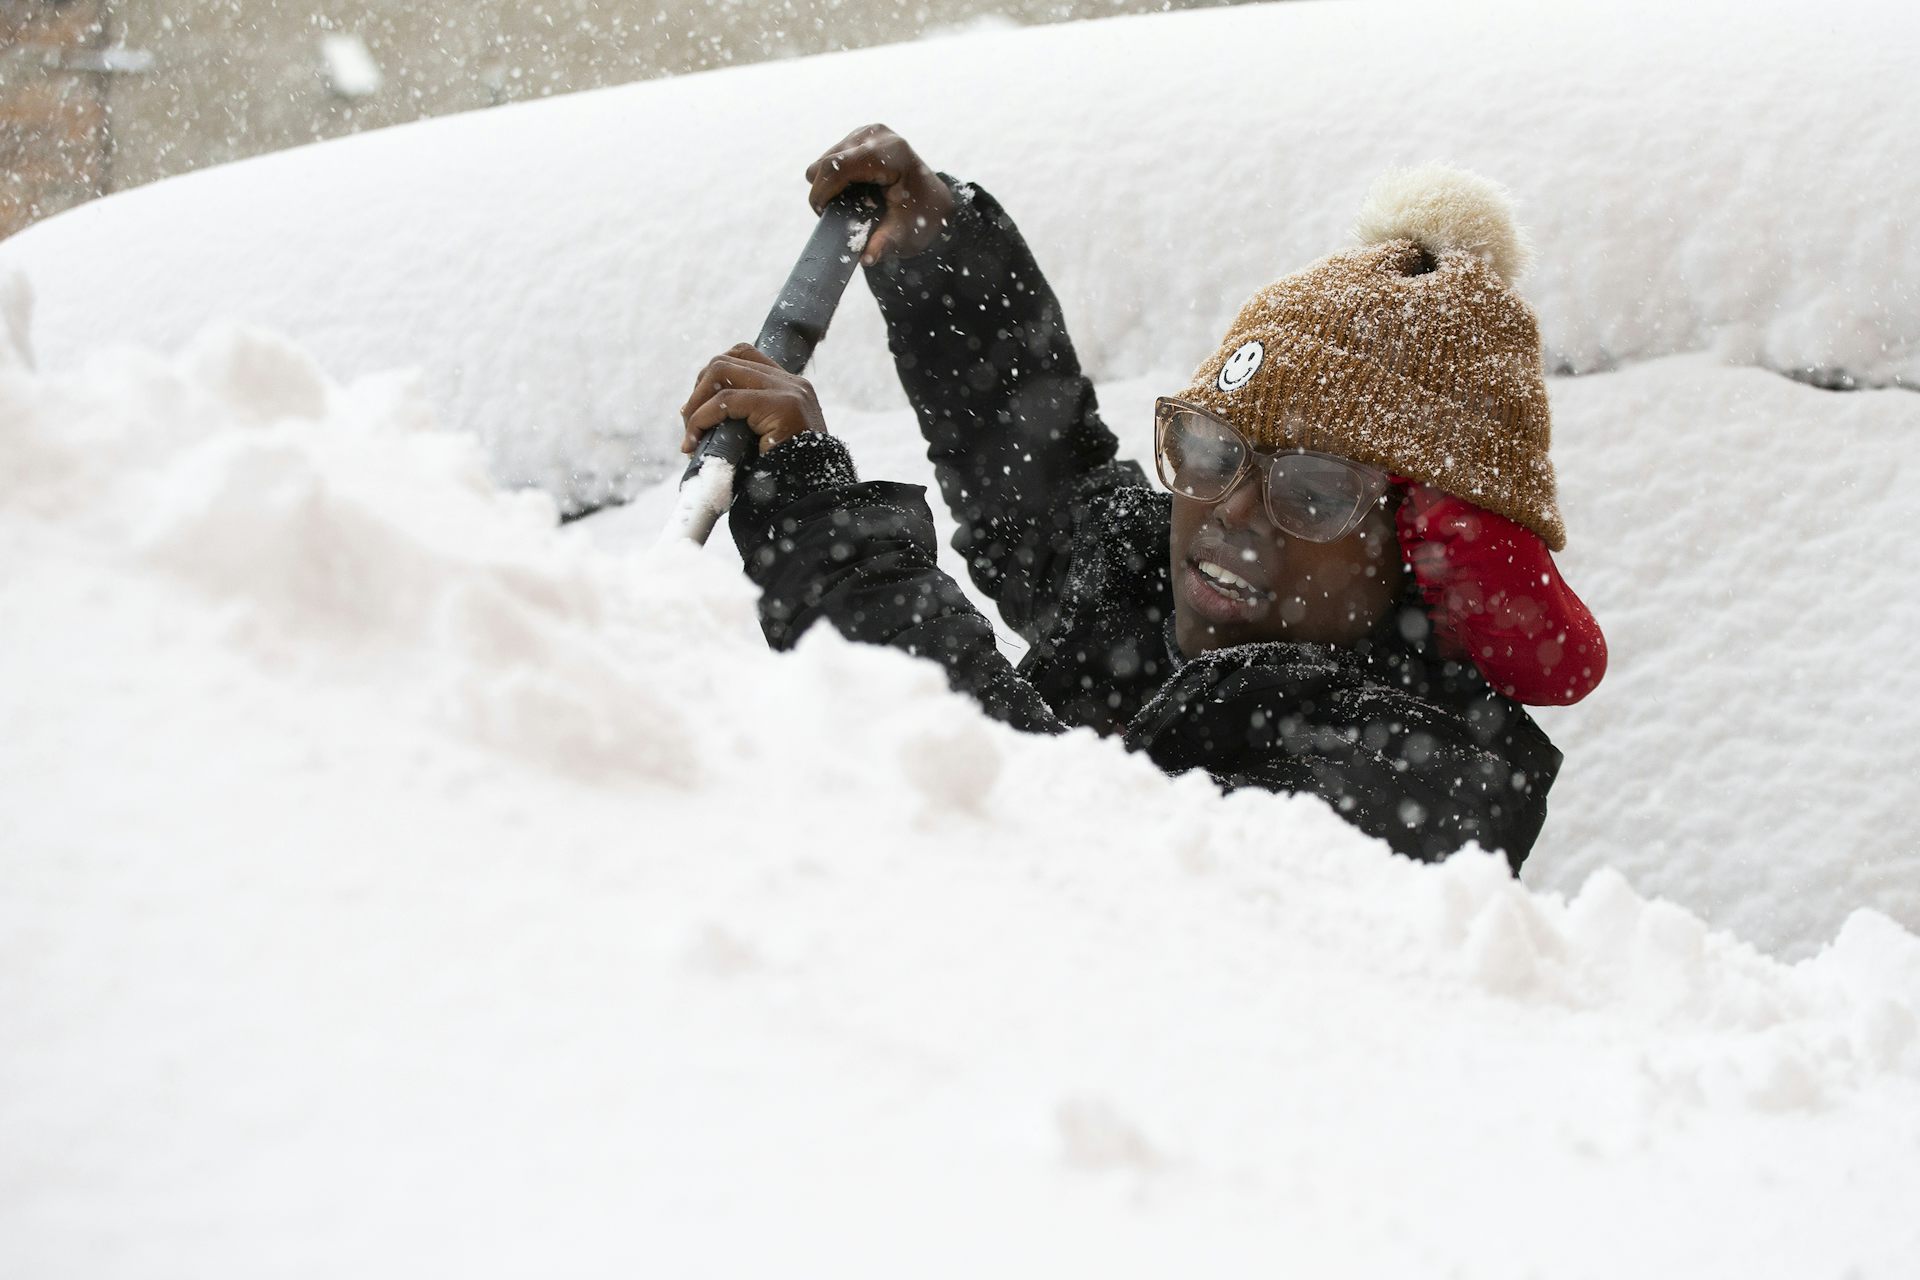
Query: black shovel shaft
[803, 311]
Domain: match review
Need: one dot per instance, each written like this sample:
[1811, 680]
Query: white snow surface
[1732, 175]
[395, 882]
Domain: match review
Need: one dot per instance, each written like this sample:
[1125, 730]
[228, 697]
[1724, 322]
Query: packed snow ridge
[368, 811]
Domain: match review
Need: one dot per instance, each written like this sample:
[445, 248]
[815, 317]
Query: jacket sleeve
[1011, 424]
[1425, 776]
[821, 544]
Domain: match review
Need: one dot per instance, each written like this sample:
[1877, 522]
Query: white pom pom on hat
[1440, 208]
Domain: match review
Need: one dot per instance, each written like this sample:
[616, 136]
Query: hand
[919, 202]
[743, 383]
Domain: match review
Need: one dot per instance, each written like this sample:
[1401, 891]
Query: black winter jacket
[1071, 544]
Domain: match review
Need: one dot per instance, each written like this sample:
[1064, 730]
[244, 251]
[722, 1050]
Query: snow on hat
[1412, 353]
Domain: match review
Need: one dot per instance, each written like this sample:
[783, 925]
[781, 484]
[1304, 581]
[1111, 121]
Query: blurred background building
[99, 95]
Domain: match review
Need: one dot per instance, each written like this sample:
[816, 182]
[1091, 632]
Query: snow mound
[1694, 177]
[1752, 752]
[398, 881]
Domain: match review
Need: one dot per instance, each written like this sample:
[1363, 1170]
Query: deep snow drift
[1699, 177]
[396, 882]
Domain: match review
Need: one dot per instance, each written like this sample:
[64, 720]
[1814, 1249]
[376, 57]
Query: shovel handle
[793, 328]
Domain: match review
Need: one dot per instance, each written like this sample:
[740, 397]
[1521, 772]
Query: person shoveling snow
[1348, 590]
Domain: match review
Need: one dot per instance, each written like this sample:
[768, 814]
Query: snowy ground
[390, 890]
[397, 883]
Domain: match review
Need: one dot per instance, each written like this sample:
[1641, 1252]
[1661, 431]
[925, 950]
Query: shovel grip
[802, 312]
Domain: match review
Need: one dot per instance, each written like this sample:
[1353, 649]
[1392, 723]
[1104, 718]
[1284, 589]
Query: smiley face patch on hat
[1241, 366]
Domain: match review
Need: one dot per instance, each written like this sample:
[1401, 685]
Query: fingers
[775, 414]
[834, 173]
[759, 407]
[847, 143]
[918, 199]
[741, 365]
[744, 383]
[872, 153]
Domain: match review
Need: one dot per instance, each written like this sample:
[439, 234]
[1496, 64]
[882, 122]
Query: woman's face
[1238, 580]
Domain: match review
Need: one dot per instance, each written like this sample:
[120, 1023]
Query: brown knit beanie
[1411, 353]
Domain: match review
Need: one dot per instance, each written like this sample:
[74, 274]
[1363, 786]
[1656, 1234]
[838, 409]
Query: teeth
[1225, 578]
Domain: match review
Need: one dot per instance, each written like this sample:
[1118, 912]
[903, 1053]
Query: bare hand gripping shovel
[794, 327]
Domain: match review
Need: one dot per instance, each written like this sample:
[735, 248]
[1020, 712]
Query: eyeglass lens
[1315, 498]
[1200, 457]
